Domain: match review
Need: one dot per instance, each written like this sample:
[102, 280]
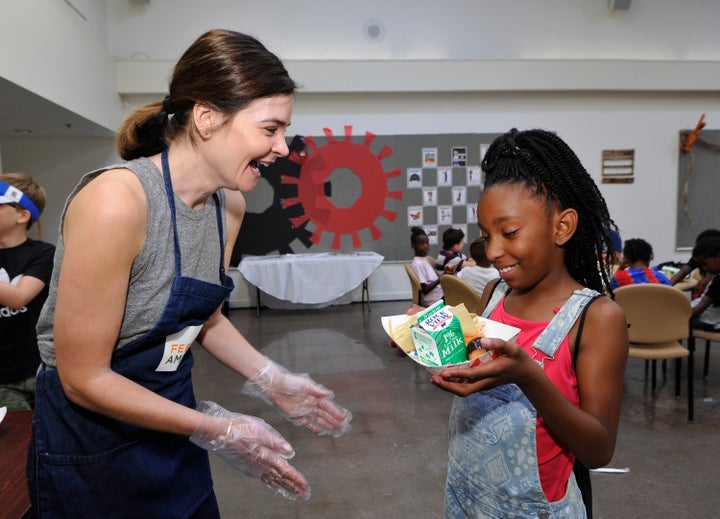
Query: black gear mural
[271, 230]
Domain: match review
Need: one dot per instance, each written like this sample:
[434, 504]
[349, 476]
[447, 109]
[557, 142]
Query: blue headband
[12, 195]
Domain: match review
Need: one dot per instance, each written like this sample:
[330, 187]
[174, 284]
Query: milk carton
[438, 336]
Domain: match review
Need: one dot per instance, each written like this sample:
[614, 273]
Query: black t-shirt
[713, 291]
[19, 357]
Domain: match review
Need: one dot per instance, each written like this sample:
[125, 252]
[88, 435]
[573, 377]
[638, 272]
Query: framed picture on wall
[459, 195]
[474, 176]
[432, 234]
[429, 157]
[415, 215]
[429, 196]
[445, 215]
[414, 178]
[459, 156]
[445, 177]
[471, 213]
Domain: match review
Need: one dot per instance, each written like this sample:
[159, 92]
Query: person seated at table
[691, 265]
[451, 258]
[478, 275]
[635, 266]
[613, 257]
[430, 288]
[706, 307]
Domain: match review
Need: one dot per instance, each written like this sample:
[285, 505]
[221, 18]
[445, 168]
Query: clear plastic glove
[251, 446]
[299, 399]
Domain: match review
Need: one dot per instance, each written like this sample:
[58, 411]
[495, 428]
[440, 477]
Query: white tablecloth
[309, 278]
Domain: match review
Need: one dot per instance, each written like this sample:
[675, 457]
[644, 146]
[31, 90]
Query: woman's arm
[103, 232]
[219, 336]
[297, 397]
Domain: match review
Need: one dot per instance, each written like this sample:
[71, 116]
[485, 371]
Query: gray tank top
[154, 268]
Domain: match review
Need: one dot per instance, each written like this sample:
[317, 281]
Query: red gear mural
[312, 188]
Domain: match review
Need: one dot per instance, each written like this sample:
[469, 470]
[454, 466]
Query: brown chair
[414, 284]
[658, 317]
[458, 291]
[709, 336]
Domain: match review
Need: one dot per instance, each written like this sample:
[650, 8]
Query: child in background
[635, 266]
[25, 270]
[429, 280]
[482, 273]
[451, 258]
[552, 395]
[691, 265]
[706, 306]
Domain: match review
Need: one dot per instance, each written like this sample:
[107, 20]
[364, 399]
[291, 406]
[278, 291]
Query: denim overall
[87, 465]
[493, 465]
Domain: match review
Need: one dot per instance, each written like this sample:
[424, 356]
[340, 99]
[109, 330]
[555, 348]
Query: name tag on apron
[176, 346]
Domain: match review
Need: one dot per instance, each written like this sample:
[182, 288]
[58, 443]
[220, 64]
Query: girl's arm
[103, 232]
[589, 431]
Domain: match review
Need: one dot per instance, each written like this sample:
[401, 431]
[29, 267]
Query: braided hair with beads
[542, 162]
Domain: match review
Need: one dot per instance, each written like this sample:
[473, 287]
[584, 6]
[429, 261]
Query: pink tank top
[555, 463]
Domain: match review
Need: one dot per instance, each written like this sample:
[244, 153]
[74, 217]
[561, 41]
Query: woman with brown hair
[139, 277]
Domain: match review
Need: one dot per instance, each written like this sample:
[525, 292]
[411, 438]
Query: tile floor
[392, 464]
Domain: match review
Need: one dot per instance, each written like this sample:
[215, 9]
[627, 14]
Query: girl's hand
[511, 365]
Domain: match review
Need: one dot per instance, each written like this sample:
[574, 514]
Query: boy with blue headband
[25, 270]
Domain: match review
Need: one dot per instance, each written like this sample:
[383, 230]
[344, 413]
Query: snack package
[476, 351]
[399, 329]
[438, 336]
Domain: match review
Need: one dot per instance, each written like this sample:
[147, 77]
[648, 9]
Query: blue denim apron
[84, 464]
[493, 466]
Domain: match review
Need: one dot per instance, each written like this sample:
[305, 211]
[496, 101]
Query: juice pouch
[438, 336]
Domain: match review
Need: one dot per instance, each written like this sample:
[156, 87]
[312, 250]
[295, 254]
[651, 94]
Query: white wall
[48, 49]
[427, 29]
[451, 67]
[57, 165]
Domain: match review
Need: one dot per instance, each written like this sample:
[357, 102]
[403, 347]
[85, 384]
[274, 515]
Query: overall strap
[499, 291]
[551, 338]
[218, 215]
[173, 213]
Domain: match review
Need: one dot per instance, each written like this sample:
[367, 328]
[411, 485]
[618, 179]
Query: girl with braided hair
[551, 396]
